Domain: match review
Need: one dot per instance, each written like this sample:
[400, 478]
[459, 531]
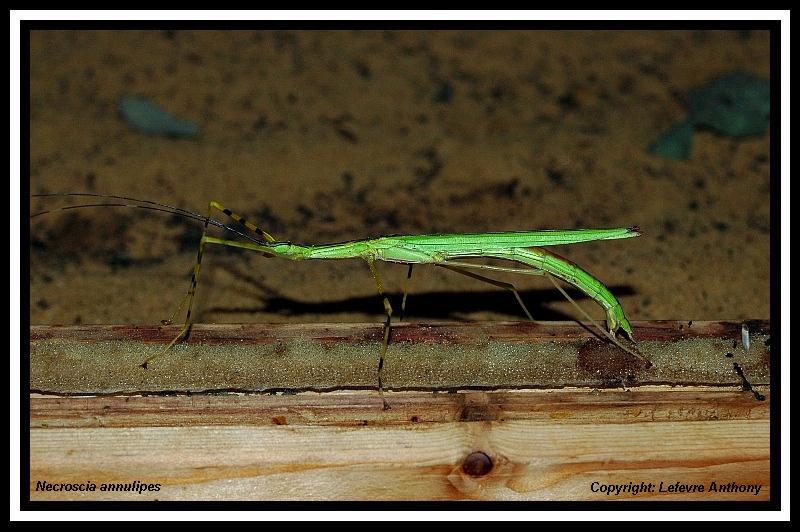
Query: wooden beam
[106, 359]
[521, 445]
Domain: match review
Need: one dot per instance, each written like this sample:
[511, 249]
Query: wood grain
[543, 445]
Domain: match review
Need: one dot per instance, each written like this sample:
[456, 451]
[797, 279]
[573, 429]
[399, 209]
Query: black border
[773, 26]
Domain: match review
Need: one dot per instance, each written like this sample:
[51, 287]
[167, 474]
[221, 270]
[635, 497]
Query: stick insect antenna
[148, 205]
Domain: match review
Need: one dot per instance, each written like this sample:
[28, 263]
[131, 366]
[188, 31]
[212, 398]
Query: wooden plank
[520, 445]
[500, 412]
[106, 359]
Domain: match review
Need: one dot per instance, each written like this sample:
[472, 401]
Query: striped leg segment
[241, 220]
[387, 327]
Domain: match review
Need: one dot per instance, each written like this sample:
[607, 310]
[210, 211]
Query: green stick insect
[447, 251]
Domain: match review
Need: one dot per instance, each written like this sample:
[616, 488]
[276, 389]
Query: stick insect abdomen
[510, 239]
[575, 275]
[566, 270]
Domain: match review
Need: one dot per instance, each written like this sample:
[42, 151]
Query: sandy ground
[327, 136]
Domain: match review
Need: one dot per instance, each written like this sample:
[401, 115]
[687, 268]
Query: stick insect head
[282, 249]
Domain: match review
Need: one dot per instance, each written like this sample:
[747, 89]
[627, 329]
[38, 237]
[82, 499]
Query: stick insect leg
[405, 292]
[501, 284]
[205, 239]
[212, 206]
[189, 297]
[387, 327]
[524, 271]
[241, 220]
[534, 271]
[604, 332]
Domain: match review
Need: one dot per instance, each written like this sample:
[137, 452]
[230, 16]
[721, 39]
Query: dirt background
[322, 136]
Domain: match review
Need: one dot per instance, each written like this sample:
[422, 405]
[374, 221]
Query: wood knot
[477, 464]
